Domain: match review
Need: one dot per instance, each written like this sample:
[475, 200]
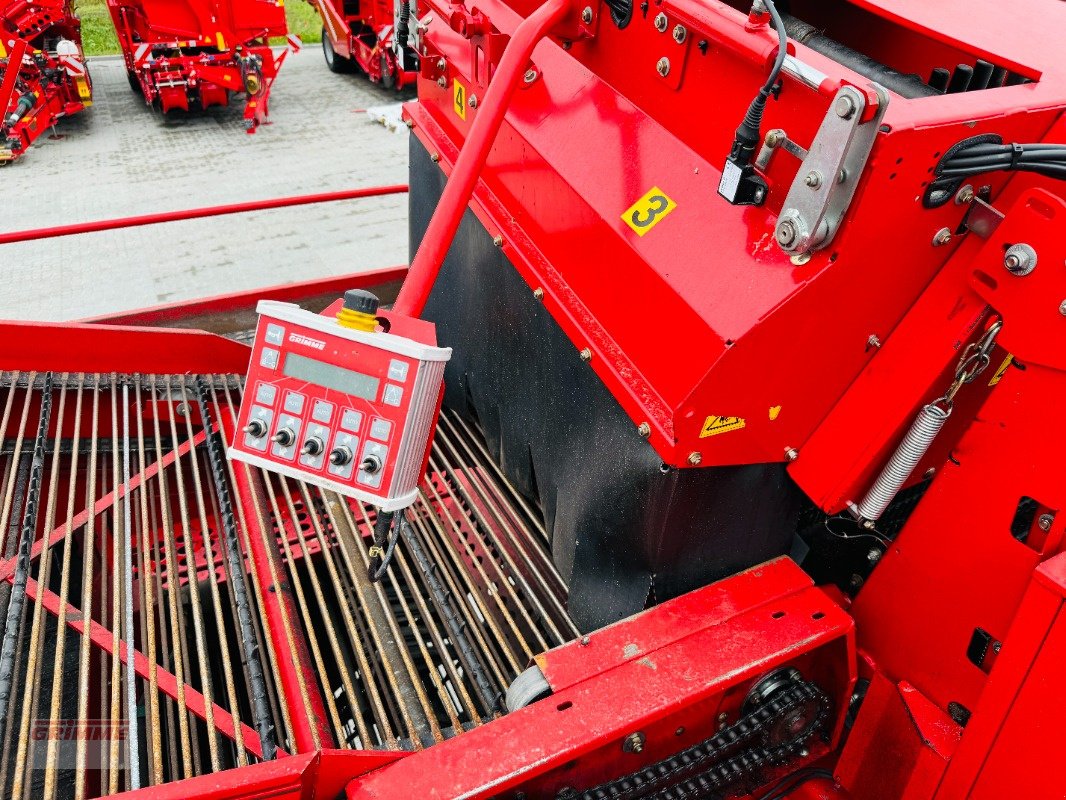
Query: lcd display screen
[331, 377]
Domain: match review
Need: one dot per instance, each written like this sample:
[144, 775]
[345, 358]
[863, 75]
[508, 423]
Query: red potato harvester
[183, 54]
[43, 76]
[375, 37]
[710, 447]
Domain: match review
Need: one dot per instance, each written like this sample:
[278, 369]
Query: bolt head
[786, 233]
[538, 294]
[1020, 259]
[586, 14]
[663, 66]
[791, 453]
[660, 22]
[874, 555]
[586, 354]
[813, 179]
[773, 138]
[694, 459]
[634, 743]
[435, 157]
[441, 64]
[844, 106]
[964, 195]
[530, 76]
[1045, 520]
[873, 341]
[442, 83]
[497, 240]
[644, 429]
[941, 237]
[1062, 308]
[472, 102]
[585, 641]
[680, 33]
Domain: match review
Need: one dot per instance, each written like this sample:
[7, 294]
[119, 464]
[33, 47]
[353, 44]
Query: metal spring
[906, 457]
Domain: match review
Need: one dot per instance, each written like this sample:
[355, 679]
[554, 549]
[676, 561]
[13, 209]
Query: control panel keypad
[266, 393]
[294, 403]
[380, 429]
[322, 412]
[351, 420]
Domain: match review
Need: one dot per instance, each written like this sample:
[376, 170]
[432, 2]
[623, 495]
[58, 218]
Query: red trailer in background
[42, 71]
[372, 36]
[183, 54]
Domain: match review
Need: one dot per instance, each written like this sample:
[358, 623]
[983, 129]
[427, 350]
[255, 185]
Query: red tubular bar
[197, 213]
[460, 187]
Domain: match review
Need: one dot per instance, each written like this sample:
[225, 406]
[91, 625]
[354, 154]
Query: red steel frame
[43, 76]
[362, 34]
[197, 53]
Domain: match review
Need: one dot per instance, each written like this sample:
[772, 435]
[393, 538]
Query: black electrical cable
[753, 118]
[1045, 159]
[790, 783]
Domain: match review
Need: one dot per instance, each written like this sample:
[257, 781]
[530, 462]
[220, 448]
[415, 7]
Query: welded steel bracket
[826, 181]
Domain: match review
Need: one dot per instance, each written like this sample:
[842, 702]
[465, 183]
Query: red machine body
[198, 53]
[43, 76]
[362, 35]
[654, 393]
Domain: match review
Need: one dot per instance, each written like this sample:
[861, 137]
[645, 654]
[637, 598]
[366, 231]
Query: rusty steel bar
[95, 226]
[307, 713]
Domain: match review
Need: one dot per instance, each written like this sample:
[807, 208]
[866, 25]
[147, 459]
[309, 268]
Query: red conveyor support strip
[197, 213]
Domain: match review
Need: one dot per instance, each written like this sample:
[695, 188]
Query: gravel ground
[121, 158]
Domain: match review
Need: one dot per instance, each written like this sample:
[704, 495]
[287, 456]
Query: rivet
[844, 106]
[586, 354]
[644, 429]
[694, 459]
[663, 66]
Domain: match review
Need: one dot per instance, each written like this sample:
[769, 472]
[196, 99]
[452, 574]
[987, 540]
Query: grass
[98, 33]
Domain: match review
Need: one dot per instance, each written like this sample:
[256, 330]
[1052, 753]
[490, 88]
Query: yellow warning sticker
[1002, 368]
[459, 99]
[648, 211]
[712, 426]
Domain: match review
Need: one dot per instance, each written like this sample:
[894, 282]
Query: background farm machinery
[199, 53]
[42, 71]
[375, 37]
[746, 480]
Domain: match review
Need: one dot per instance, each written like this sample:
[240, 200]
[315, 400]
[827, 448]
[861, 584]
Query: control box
[351, 410]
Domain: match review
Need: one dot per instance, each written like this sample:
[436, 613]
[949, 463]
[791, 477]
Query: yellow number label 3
[648, 211]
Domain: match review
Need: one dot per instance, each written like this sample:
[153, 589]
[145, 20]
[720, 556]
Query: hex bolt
[942, 236]
[586, 354]
[530, 76]
[644, 429]
[634, 743]
[964, 195]
[472, 102]
[680, 33]
[872, 341]
[441, 64]
[1020, 259]
[791, 453]
[1044, 522]
[663, 66]
[441, 82]
[586, 15]
[694, 459]
[844, 106]
[813, 179]
[435, 157]
[538, 294]
[497, 240]
[874, 555]
[660, 22]
[1062, 308]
